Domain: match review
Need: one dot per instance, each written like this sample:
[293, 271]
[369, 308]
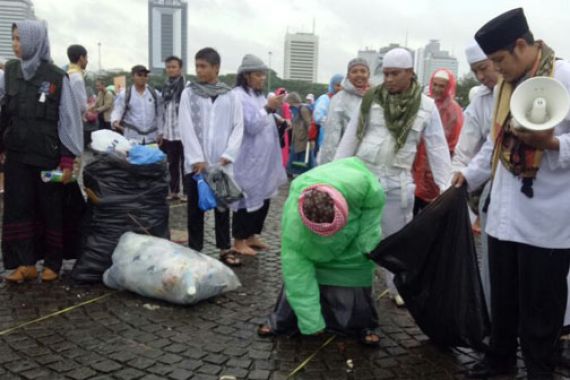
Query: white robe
[341, 108]
[209, 130]
[478, 118]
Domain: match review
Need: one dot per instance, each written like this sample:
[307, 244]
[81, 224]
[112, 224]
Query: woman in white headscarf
[41, 130]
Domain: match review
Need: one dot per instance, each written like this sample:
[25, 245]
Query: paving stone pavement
[121, 337]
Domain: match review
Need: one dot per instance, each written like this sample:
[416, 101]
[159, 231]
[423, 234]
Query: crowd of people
[365, 159]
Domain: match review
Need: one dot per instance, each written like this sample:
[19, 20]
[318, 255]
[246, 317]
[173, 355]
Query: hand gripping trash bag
[158, 268]
[435, 266]
[224, 186]
[122, 197]
[206, 197]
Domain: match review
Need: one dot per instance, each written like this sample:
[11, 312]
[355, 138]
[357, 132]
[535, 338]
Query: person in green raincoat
[330, 222]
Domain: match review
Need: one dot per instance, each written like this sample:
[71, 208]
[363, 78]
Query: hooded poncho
[309, 260]
[452, 122]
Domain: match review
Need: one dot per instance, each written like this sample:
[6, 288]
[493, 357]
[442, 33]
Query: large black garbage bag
[435, 266]
[122, 197]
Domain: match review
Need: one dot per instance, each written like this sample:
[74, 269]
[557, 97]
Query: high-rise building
[301, 56]
[167, 32]
[375, 61]
[431, 58]
[10, 12]
[371, 56]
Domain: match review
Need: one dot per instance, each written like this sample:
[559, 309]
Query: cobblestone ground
[124, 336]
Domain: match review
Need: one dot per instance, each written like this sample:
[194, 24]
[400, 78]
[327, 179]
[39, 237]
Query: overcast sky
[238, 27]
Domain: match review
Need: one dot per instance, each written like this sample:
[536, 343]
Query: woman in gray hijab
[41, 131]
[342, 107]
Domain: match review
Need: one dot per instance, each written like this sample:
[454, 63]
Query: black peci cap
[502, 31]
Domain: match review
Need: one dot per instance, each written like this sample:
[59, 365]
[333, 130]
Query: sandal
[370, 338]
[265, 331]
[230, 258]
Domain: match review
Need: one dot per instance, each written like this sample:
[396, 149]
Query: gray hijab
[35, 49]
[34, 44]
[209, 90]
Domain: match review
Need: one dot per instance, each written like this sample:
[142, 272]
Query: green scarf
[400, 110]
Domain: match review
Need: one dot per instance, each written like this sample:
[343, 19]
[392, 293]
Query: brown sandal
[230, 258]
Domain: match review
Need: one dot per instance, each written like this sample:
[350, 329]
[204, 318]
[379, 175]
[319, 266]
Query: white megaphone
[540, 103]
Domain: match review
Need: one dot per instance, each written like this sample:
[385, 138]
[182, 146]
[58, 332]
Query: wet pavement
[68, 331]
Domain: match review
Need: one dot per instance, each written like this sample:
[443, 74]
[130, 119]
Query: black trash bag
[122, 197]
[435, 265]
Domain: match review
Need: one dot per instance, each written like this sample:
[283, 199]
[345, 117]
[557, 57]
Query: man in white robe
[210, 119]
[527, 220]
[385, 135]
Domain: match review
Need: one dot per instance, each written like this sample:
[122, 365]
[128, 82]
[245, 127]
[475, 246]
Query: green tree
[463, 86]
[157, 81]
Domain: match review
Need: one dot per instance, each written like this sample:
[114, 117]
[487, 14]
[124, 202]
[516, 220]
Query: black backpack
[128, 102]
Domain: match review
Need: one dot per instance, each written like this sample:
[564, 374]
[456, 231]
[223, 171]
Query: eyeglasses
[142, 74]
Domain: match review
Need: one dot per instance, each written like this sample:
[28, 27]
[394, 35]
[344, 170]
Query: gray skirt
[347, 311]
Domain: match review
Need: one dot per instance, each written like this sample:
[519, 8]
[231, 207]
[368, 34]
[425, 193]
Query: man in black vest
[41, 131]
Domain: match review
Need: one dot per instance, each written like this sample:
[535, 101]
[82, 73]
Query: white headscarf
[441, 74]
[34, 43]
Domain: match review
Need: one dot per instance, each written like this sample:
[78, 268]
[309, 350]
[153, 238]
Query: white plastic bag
[158, 268]
[105, 141]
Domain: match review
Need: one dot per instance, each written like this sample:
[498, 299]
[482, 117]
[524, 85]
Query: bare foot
[255, 242]
[244, 249]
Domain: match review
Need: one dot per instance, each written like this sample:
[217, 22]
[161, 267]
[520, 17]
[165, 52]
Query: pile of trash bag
[435, 265]
[122, 197]
[158, 268]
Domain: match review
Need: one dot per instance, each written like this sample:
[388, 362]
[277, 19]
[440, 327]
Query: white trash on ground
[158, 268]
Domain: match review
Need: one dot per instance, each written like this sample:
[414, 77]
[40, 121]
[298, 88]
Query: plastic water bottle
[54, 176]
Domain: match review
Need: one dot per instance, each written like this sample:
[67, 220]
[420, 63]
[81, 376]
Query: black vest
[32, 115]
